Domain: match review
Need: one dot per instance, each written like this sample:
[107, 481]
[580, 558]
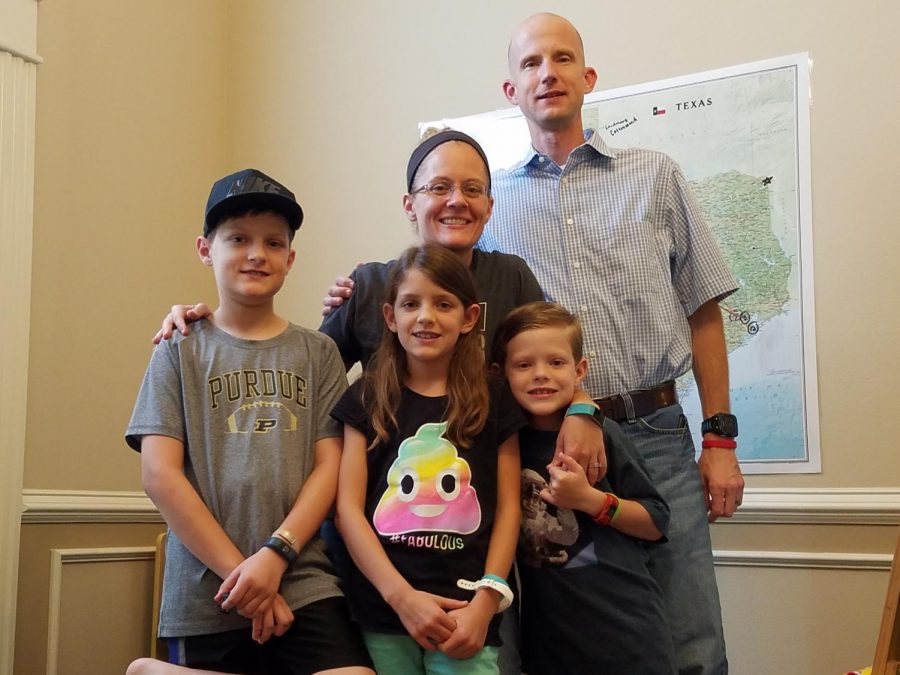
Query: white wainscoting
[69, 556]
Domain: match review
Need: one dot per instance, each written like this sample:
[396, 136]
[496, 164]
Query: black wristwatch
[723, 424]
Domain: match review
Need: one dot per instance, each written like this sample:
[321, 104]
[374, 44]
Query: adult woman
[448, 201]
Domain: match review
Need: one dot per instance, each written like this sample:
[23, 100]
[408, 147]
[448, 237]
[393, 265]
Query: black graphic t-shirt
[579, 576]
[430, 503]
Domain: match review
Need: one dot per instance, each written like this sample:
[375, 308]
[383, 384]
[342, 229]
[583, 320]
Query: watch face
[722, 424]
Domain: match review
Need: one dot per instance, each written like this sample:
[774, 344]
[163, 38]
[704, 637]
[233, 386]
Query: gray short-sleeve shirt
[249, 413]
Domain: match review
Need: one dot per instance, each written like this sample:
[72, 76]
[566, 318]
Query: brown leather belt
[643, 402]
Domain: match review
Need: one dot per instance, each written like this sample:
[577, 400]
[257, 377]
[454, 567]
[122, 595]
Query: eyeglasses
[445, 189]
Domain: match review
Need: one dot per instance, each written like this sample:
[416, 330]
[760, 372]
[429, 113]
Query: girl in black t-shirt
[428, 497]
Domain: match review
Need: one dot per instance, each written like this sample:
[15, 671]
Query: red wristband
[720, 443]
[609, 511]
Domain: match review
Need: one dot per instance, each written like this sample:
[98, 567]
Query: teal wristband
[586, 409]
[500, 580]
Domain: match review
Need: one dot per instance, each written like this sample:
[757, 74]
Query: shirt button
[541, 159]
[584, 308]
[565, 179]
[577, 265]
[570, 221]
[592, 354]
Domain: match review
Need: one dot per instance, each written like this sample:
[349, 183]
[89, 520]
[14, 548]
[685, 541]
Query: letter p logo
[264, 426]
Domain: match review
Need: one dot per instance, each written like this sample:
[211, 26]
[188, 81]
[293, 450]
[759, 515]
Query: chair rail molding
[880, 562]
[84, 506]
[856, 506]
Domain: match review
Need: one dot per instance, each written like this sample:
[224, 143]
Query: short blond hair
[536, 315]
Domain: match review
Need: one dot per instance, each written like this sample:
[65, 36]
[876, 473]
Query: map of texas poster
[741, 135]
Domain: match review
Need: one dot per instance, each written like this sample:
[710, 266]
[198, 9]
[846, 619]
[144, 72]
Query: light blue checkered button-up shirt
[617, 238]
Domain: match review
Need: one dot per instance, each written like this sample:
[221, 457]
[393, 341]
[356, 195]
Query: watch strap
[282, 548]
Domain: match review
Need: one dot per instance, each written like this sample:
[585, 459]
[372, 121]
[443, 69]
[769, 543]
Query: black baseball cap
[250, 189]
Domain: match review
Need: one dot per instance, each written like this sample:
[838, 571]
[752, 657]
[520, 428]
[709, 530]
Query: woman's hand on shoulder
[337, 293]
[178, 318]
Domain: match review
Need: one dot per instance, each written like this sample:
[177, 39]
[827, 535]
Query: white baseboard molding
[804, 560]
[841, 506]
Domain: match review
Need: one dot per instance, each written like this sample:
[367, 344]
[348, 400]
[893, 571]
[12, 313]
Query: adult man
[616, 237]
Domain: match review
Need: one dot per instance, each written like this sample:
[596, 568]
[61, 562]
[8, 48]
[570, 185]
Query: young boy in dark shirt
[588, 599]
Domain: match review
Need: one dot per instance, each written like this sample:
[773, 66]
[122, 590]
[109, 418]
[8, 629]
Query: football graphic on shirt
[261, 417]
[429, 488]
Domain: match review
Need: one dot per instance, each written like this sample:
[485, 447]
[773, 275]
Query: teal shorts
[401, 655]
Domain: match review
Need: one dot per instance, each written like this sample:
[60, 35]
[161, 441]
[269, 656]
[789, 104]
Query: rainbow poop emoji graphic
[428, 488]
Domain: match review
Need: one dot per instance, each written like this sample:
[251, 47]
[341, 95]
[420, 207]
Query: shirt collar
[591, 139]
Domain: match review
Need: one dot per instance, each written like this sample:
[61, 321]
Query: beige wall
[141, 105]
[132, 105]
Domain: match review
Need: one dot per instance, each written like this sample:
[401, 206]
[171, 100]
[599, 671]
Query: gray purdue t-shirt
[249, 413]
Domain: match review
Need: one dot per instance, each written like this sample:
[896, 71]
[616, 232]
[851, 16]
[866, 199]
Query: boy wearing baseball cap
[240, 455]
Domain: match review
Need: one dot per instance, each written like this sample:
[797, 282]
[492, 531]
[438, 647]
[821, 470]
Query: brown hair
[535, 315]
[467, 389]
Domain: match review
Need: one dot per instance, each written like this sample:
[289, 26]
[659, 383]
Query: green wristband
[586, 409]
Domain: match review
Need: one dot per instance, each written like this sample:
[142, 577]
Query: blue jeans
[684, 567]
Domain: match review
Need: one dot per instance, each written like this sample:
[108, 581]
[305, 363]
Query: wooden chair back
[887, 649]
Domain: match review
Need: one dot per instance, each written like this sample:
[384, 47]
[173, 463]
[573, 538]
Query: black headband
[425, 147]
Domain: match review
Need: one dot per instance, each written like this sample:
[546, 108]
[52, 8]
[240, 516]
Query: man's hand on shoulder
[178, 318]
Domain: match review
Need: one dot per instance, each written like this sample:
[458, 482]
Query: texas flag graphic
[658, 111]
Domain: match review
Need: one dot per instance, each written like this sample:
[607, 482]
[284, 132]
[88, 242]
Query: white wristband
[493, 582]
